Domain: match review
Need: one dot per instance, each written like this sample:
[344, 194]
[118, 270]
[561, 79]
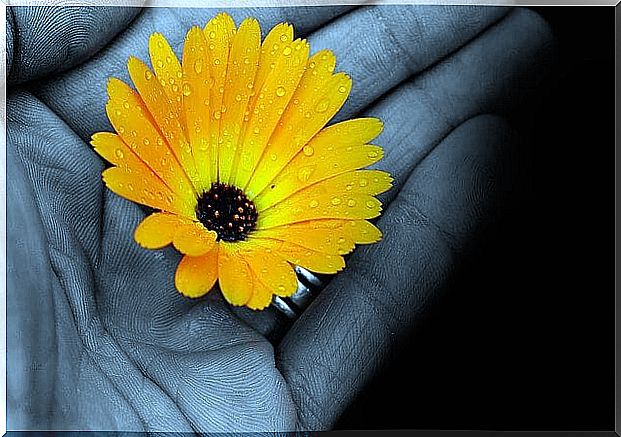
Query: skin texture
[98, 338]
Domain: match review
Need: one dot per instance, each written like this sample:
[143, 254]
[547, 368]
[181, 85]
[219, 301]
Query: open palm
[98, 337]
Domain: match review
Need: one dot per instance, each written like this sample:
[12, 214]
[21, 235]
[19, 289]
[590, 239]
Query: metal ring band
[309, 286]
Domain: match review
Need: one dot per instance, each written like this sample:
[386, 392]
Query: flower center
[226, 210]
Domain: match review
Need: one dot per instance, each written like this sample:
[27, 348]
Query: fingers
[382, 46]
[79, 96]
[50, 39]
[493, 73]
[340, 340]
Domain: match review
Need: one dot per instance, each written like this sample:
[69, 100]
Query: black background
[524, 337]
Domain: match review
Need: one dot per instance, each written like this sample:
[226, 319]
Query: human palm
[98, 336]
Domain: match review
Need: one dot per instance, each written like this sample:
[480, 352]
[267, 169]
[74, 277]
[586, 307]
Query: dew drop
[256, 130]
[308, 150]
[216, 61]
[342, 89]
[370, 204]
[281, 288]
[130, 187]
[118, 153]
[322, 106]
[121, 129]
[286, 51]
[313, 204]
[280, 91]
[372, 154]
[273, 157]
[349, 187]
[148, 75]
[212, 34]
[168, 59]
[351, 202]
[305, 173]
[187, 90]
[175, 87]
[238, 97]
[217, 115]
[198, 66]
[283, 38]
[160, 44]
[146, 141]
[335, 201]
[363, 182]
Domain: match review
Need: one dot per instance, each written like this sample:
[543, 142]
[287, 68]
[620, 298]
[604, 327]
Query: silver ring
[309, 287]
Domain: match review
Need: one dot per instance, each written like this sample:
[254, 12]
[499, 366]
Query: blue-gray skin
[98, 337]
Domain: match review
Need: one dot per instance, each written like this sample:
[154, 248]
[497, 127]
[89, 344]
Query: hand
[98, 337]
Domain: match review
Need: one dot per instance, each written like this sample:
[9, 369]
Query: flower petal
[219, 34]
[128, 114]
[194, 239]
[347, 196]
[261, 297]
[157, 230]
[277, 79]
[318, 262]
[196, 276]
[335, 150]
[312, 106]
[133, 179]
[196, 103]
[165, 112]
[242, 68]
[167, 68]
[234, 275]
[273, 271]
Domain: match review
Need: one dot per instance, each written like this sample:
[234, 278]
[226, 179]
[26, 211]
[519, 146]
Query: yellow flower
[230, 146]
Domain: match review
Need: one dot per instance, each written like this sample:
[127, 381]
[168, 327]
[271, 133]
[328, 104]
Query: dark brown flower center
[226, 210]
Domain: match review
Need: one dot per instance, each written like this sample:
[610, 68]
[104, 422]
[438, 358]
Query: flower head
[229, 146]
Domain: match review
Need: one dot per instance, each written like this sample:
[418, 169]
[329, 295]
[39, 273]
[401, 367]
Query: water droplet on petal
[175, 87]
[198, 66]
[335, 201]
[280, 91]
[305, 173]
[363, 182]
[342, 89]
[146, 141]
[351, 202]
[372, 154]
[283, 37]
[286, 51]
[212, 34]
[273, 157]
[187, 90]
[148, 75]
[308, 150]
[313, 204]
[322, 106]
[370, 204]
[217, 115]
[118, 153]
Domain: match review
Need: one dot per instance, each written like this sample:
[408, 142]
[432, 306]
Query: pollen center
[226, 210]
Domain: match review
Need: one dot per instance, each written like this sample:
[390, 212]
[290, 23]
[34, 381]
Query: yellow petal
[157, 230]
[347, 196]
[219, 34]
[242, 68]
[272, 271]
[194, 239]
[164, 112]
[196, 103]
[261, 296]
[234, 275]
[196, 276]
[318, 262]
[167, 68]
[313, 105]
[129, 116]
[269, 101]
[335, 150]
[322, 239]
